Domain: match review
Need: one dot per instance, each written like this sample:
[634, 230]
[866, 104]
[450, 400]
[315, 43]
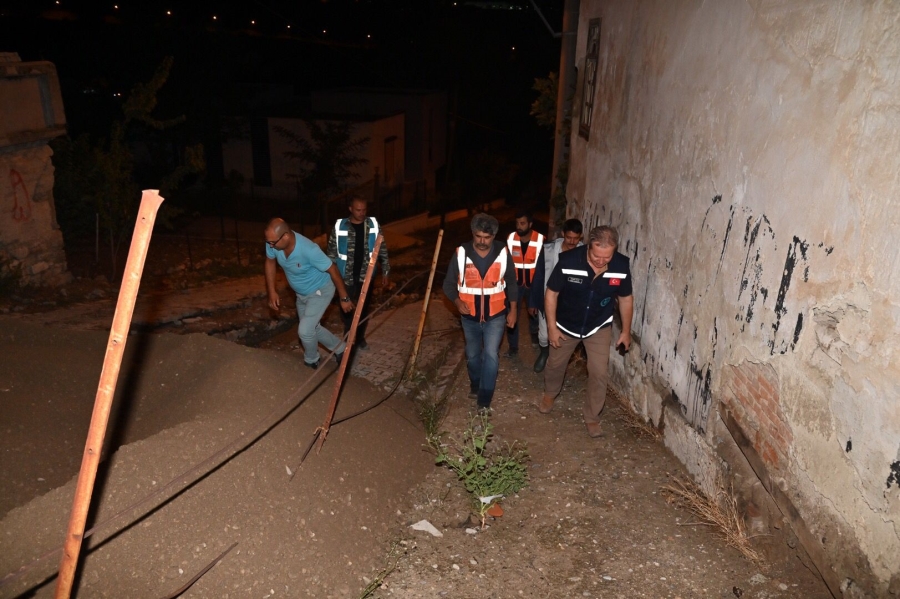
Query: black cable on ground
[237, 445]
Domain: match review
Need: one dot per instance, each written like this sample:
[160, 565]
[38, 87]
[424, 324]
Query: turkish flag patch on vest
[615, 282]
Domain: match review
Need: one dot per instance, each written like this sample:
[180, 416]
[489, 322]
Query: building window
[589, 88]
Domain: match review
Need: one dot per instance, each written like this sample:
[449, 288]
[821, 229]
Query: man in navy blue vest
[350, 246]
[583, 291]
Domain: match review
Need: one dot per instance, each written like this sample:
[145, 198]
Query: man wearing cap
[478, 281]
[314, 278]
[581, 298]
[350, 246]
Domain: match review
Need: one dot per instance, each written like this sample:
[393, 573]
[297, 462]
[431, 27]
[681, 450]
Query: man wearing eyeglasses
[314, 278]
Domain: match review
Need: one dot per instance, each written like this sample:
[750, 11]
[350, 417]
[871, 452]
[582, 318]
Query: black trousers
[347, 317]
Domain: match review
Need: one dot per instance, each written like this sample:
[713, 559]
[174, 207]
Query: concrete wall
[749, 153]
[31, 244]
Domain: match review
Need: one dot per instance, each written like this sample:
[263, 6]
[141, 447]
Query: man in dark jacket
[481, 281]
[582, 294]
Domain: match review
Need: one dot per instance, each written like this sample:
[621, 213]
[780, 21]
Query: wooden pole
[415, 352]
[351, 339]
[118, 335]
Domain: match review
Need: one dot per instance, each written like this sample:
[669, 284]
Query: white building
[749, 154]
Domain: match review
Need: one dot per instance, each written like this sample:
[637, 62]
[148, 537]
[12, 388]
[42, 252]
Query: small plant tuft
[486, 475]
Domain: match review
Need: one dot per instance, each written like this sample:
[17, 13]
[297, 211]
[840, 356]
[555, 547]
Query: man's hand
[461, 306]
[624, 339]
[385, 283]
[532, 312]
[554, 337]
[511, 319]
[347, 306]
[274, 302]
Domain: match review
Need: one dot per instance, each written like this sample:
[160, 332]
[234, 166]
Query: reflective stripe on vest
[588, 334]
[470, 284]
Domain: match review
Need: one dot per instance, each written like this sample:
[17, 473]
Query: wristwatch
[345, 299]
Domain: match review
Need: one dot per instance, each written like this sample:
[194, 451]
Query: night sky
[226, 52]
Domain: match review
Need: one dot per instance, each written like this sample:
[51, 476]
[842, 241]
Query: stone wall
[748, 154]
[31, 244]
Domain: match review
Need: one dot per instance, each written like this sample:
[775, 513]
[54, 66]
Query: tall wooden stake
[115, 348]
[351, 339]
[415, 352]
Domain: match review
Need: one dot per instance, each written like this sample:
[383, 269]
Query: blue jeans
[310, 309]
[482, 359]
[512, 335]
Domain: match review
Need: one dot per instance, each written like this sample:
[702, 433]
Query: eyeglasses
[272, 243]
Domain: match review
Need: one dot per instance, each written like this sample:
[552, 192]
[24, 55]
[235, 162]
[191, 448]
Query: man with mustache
[481, 281]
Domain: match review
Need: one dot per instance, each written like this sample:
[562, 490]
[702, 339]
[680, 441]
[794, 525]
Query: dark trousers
[512, 335]
[347, 317]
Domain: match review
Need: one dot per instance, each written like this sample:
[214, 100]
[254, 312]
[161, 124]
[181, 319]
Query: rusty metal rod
[351, 339]
[415, 352]
[118, 335]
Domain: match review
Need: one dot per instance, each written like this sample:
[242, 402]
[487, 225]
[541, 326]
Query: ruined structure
[31, 244]
[749, 154]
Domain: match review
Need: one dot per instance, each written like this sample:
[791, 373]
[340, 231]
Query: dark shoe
[473, 392]
[362, 345]
[546, 405]
[511, 353]
[484, 410]
[314, 365]
[339, 358]
[541, 361]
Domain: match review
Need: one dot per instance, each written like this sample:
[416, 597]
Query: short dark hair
[485, 223]
[523, 212]
[352, 199]
[604, 236]
[573, 225]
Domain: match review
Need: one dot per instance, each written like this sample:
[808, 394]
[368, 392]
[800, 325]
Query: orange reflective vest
[485, 297]
[526, 264]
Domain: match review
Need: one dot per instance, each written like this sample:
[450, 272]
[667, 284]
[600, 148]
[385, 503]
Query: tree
[325, 158]
[543, 109]
[98, 177]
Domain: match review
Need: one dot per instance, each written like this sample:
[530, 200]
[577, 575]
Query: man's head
[277, 234]
[603, 242]
[524, 221]
[572, 232]
[357, 210]
[484, 229]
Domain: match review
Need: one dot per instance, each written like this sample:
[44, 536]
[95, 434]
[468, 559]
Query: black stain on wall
[790, 263]
[725, 242]
[797, 329]
[894, 477]
[696, 410]
[849, 446]
[717, 199]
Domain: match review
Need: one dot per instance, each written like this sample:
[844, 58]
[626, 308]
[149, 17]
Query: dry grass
[632, 420]
[719, 512]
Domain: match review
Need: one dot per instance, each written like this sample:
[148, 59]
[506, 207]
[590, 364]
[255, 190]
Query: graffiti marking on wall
[21, 210]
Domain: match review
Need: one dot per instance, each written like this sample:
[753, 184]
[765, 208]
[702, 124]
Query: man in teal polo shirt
[314, 278]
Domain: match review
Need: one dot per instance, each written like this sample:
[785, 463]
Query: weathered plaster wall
[31, 114]
[749, 153]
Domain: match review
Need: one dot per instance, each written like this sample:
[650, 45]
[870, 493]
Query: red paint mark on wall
[21, 210]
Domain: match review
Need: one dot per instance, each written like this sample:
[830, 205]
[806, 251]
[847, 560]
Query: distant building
[255, 148]
[31, 114]
[425, 118]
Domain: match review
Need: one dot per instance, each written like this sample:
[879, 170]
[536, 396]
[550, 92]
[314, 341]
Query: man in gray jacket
[572, 233]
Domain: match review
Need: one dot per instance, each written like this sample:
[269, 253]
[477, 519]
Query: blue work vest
[341, 228]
